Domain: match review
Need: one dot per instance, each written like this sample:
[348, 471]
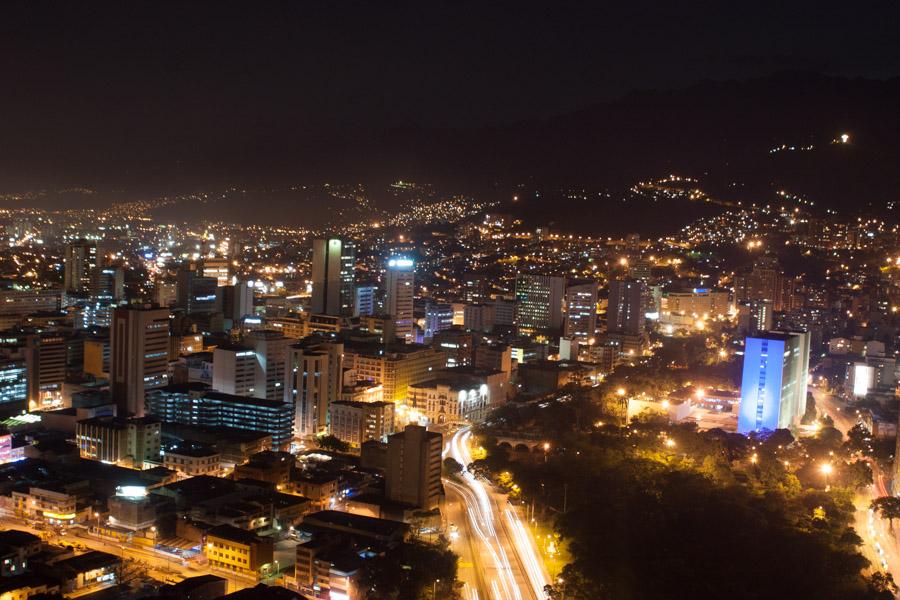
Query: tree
[859, 439]
[452, 466]
[333, 443]
[888, 507]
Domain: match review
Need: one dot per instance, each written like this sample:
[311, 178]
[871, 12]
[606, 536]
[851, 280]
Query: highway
[880, 544]
[499, 558]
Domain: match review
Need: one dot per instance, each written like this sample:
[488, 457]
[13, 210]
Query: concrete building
[399, 293]
[774, 381]
[359, 422]
[394, 366]
[234, 370]
[333, 276]
[271, 352]
[139, 360]
[46, 357]
[413, 475]
[438, 317]
[236, 550]
[80, 259]
[134, 443]
[581, 310]
[313, 381]
[196, 293]
[625, 313]
[539, 303]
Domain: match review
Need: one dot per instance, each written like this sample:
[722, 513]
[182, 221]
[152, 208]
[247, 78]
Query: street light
[546, 450]
[670, 442]
[826, 469]
[434, 588]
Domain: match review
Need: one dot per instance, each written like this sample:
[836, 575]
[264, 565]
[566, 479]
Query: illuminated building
[80, 260]
[364, 300]
[457, 344]
[394, 366]
[399, 291]
[270, 349]
[452, 400]
[774, 381]
[626, 310]
[45, 355]
[128, 442]
[191, 460]
[233, 549]
[13, 383]
[107, 284]
[196, 294]
[47, 504]
[314, 380]
[765, 281]
[234, 370]
[196, 404]
[539, 303]
[236, 301]
[139, 355]
[413, 474]
[438, 317]
[333, 277]
[689, 311]
[581, 310]
[218, 269]
[358, 422]
[754, 316]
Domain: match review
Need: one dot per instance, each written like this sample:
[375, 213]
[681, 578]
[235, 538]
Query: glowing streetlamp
[826, 469]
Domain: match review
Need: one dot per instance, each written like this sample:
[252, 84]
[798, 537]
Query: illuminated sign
[400, 263]
[131, 491]
[862, 378]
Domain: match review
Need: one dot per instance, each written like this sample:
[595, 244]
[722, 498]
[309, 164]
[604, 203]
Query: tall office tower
[539, 303]
[314, 379]
[80, 259]
[139, 355]
[475, 288]
[581, 309]
[625, 313]
[218, 269]
[641, 269]
[234, 370]
[45, 356]
[235, 301]
[774, 380]
[765, 281]
[438, 317]
[364, 304]
[399, 290]
[107, 284]
[271, 350]
[334, 276]
[754, 316]
[196, 294]
[413, 474]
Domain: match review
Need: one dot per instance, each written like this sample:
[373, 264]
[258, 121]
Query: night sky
[104, 90]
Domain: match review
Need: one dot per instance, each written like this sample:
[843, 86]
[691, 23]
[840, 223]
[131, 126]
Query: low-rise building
[358, 422]
[191, 460]
[229, 548]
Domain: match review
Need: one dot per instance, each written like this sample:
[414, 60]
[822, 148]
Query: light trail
[484, 518]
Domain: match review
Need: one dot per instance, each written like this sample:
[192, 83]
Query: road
[498, 555]
[880, 544]
[162, 566]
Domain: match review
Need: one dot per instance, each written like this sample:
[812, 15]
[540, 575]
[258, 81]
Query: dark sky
[90, 86]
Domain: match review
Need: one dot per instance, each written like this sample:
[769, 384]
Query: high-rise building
[13, 384]
[539, 303]
[413, 475]
[774, 381]
[581, 309]
[754, 316]
[399, 291]
[625, 313]
[139, 355]
[45, 355]
[334, 276]
[394, 366]
[107, 284]
[218, 269]
[234, 370]
[236, 301]
[314, 382]
[80, 260]
[271, 353]
[438, 317]
[359, 422]
[765, 281]
[196, 293]
[364, 303]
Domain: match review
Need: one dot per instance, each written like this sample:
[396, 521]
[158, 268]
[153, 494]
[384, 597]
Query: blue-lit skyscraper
[773, 384]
